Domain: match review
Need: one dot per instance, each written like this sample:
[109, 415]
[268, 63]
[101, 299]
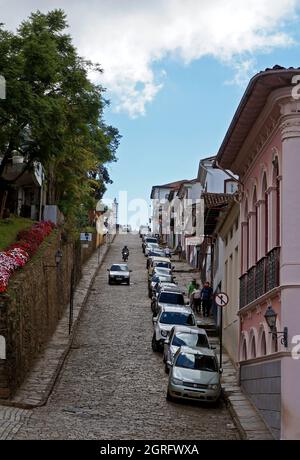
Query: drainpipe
[41, 202]
[217, 166]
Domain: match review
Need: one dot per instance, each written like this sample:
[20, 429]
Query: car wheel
[128, 282]
[155, 347]
[169, 397]
[109, 281]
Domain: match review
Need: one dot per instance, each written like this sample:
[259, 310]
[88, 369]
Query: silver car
[180, 336]
[151, 247]
[194, 375]
[119, 273]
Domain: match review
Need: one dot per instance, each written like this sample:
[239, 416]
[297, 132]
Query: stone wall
[262, 383]
[33, 305]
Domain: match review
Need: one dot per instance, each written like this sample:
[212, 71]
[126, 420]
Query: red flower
[20, 252]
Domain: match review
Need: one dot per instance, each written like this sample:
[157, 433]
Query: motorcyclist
[125, 252]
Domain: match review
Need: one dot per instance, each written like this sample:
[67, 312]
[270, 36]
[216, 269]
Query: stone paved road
[112, 385]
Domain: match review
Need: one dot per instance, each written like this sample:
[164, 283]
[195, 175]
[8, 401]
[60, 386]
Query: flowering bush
[20, 252]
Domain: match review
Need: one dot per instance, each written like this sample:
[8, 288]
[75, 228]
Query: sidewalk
[244, 414]
[36, 389]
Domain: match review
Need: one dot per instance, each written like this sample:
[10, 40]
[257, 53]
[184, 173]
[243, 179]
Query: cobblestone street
[112, 385]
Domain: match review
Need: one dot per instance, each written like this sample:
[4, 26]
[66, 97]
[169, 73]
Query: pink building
[262, 146]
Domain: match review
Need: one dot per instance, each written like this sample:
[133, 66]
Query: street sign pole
[221, 335]
[221, 300]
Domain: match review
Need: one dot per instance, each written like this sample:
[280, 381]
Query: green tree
[53, 113]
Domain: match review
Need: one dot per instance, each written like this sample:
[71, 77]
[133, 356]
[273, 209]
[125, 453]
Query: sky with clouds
[174, 70]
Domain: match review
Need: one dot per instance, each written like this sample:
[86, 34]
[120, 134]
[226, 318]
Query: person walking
[179, 251]
[192, 287]
[206, 298]
[196, 299]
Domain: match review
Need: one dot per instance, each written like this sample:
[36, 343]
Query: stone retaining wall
[33, 305]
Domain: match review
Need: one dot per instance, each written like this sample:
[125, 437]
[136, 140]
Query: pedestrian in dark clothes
[206, 298]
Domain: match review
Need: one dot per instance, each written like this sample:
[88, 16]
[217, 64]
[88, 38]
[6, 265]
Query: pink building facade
[262, 146]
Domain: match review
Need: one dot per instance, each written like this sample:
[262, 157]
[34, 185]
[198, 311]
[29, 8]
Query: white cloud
[127, 37]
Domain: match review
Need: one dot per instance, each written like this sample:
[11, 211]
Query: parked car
[157, 278]
[151, 247]
[183, 336]
[167, 298]
[157, 252]
[194, 375]
[167, 318]
[160, 271]
[153, 261]
[148, 239]
[119, 273]
[165, 286]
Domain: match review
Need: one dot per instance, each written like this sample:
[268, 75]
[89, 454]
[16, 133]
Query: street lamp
[58, 256]
[270, 317]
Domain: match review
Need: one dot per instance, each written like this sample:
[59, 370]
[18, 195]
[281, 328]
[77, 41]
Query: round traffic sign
[221, 299]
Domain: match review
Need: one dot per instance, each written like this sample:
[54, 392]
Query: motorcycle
[125, 256]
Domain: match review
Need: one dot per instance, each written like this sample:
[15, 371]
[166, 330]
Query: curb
[234, 416]
[64, 355]
[260, 433]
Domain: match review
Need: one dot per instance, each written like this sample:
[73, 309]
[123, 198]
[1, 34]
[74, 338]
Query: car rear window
[197, 362]
[190, 340]
[151, 240]
[177, 318]
[172, 298]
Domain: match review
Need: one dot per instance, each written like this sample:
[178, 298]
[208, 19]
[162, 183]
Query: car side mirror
[221, 371]
[107, 269]
[199, 324]
[154, 320]
[187, 303]
[130, 271]
[167, 342]
[173, 267]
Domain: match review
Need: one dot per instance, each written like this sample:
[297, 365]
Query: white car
[165, 320]
[119, 273]
[180, 336]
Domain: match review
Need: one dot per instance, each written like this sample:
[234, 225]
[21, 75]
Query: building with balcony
[262, 147]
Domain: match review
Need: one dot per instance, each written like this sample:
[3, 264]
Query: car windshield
[190, 339]
[162, 264]
[151, 240]
[119, 268]
[197, 362]
[172, 298]
[163, 271]
[172, 317]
